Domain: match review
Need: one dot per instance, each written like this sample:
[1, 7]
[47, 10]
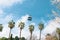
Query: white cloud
[4, 21]
[5, 31]
[1, 12]
[25, 30]
[8, 17]
[52, 25]
[22, 19]
[37, 33]
[55, 1]
[54, 13]
[33, 24]
[16, 30]
[10, 2]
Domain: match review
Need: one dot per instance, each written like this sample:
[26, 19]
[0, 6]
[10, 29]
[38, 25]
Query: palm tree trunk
[20, 33]
[59, 36]
[10, 34]
[31, 36]
[40, 35]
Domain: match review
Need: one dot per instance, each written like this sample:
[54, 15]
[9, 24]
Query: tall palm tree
[1, 27]
[58, 31]
[21, 25]
[41, 26]
[31, 29]
[11, 24]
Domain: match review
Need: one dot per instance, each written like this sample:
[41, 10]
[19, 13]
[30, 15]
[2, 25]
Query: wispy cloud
[16, 30]
[22, 19]
[4, 21]
[52, 25]
[10, 2]
[1, 12]
[55, 1]
[5, 31]
[6, 18]
[25, 31]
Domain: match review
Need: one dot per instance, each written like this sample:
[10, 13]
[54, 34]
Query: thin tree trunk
[40, 35]
[20, 34]
[59, 36]
[31, 36]
[10, 34]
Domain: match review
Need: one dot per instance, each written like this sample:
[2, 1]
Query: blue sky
[19, 10]
[38, 9]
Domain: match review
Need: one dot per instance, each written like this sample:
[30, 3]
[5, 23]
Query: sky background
[19, 10]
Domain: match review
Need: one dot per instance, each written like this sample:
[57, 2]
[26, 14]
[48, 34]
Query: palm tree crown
[58, 30]
[31, 28]
[21, 25]
[11, 24]
[1, 27]
[41, 26]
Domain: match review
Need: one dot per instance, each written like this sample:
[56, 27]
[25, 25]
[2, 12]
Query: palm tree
[1, 27]
[31, 29]
[41, 26]
[11, 24]
[55, 38]
[58, 31]
[21, 25]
